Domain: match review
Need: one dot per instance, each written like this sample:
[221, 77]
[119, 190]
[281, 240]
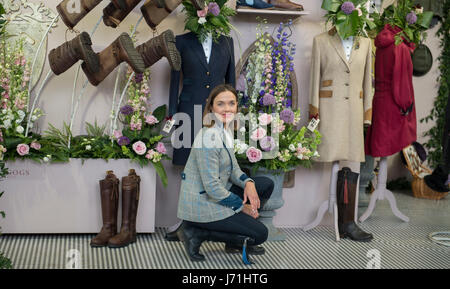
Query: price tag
[313, 124]
[168, 126]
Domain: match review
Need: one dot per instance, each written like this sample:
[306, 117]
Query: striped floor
[398, 245]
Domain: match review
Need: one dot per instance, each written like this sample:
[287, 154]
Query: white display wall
[311, 185]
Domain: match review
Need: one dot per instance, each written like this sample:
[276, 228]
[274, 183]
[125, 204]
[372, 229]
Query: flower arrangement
[265, 99]
[213, 19]
[350, 17]
[409, 17]
[140, 138]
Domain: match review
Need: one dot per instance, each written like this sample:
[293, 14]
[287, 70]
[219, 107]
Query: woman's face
[225, 106]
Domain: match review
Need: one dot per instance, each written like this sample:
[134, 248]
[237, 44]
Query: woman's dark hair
[210, 101]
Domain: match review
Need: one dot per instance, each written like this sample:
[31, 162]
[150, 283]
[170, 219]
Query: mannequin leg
[381, 192]
[329, 204]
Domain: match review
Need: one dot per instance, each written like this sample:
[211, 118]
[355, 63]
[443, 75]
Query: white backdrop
[311, 186]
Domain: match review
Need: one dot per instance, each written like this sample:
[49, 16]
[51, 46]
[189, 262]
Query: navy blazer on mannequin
[198, 79]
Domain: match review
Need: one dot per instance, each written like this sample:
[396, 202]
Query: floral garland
[212, 20]
[266, 104]
[409, 17]
[351, 18]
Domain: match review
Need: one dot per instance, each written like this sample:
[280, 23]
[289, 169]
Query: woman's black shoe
[192, 239]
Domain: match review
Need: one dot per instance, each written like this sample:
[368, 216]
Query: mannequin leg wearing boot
[130, 200]
[329, 205]
[347, 193]
[109, 195]
[382, 192]
[122, 49]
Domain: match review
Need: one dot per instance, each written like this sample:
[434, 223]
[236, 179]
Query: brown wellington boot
[286, 4]
[158, 47]
[71, 13]
[68, 53]
[130, 200]
[109, 194]
[122, 49]
[113, 15]
[346, 199]
[155, 11]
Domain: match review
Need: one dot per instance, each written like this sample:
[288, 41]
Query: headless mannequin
[331, 204]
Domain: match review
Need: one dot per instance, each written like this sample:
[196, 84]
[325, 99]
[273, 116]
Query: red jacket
[394, 114]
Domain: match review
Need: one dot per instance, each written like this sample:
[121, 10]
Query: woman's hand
[247, 209]
[251, 194]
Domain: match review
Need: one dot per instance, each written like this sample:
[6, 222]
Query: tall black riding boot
[346, 198]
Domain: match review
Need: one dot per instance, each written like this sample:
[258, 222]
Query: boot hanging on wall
[346, 197]
[109, 195]
[286, 4]
[113, 16]
[130, 200]
[68, 53]
[155, 11]
[72, 12]
[158, 47]
[122, 49]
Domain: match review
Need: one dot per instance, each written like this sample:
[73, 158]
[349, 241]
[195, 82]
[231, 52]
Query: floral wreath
[213, 19]
[351, 17]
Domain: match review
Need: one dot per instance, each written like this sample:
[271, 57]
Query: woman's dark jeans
[242, 223]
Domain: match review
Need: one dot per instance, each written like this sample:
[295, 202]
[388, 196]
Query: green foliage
[437, 114]
[214, 25]
[355, 24]
[396, 16]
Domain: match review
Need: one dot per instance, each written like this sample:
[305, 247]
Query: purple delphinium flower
[126, 110]
[214, 8]
[123, 141]
[411, 18]
[287, 116]
[267, 143]
[268, 99]
[138, 77]
[348, 7]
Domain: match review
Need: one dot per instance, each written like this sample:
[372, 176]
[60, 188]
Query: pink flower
[161, 148]
[23, 149]
[265, 119]
[139, 148]
[150, 154]
[35, 145]
[150, 119]
[258, 134]
[203, 12]
[117, 134]
[254, 155]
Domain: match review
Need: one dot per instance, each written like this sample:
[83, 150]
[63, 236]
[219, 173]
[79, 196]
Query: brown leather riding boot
[122, 49]
[346, 200]
[286, 4]
[113, 15]
[155, 11]
[72, 12]
[158, 47]
[130, 200]
[68, 53]
[109, 195]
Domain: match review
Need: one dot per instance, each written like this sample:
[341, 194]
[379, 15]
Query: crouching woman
[218, 202]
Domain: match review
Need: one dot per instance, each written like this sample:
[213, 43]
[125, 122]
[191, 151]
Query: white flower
[7, 123]
[46, 159]
[201, 20]
[292, 147]
[88, 147]
[34, 118]
[419, 11]
[21, 114]
[19, 129]
[242, 130]
[300, 156]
